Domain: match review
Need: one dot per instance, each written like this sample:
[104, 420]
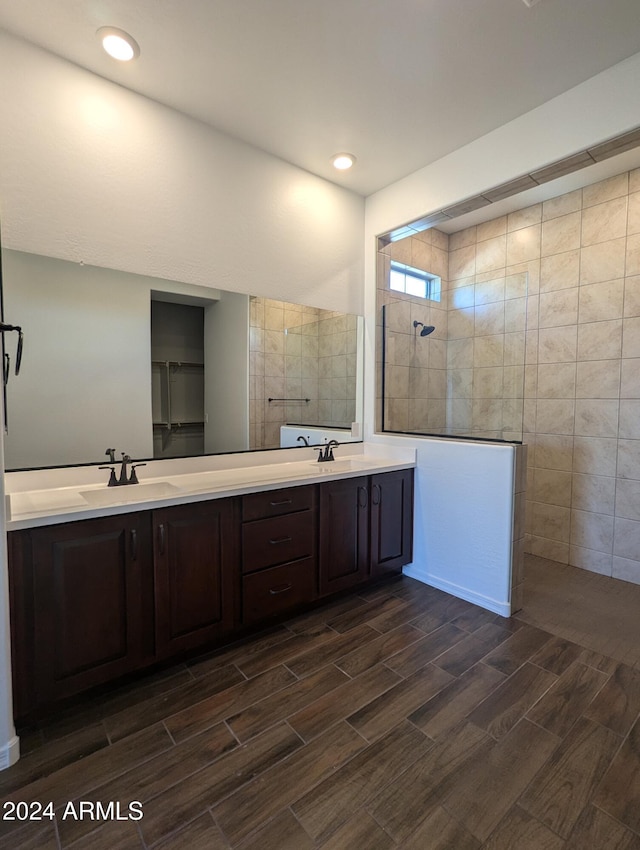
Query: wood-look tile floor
[401, 717]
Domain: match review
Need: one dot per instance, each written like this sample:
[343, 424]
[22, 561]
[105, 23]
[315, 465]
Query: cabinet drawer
[278, 589]
[267, 542]
[277, 502]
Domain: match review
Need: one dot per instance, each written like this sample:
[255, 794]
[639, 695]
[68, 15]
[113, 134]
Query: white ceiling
[400, 83]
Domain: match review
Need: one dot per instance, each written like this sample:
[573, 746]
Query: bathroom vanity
[100, 591]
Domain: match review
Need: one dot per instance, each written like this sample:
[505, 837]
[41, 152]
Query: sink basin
[129, 493]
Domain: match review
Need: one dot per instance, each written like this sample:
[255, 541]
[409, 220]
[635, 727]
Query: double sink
[210, 481]
[59, 499]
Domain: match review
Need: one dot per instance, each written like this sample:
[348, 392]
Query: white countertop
[85, 499]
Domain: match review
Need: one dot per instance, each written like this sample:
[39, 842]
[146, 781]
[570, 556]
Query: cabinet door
[93, 598]
[196, 572]
[391, 521]
[344, 534]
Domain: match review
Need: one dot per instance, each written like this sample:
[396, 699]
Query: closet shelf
[177, 363]
[181, 424]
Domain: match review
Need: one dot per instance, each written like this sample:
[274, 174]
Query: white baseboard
[501, 608]
[10, 753]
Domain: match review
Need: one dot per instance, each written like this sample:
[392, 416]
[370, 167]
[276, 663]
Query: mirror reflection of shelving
[177, 379]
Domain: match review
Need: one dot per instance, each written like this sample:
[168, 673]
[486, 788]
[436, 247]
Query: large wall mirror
[157, 368]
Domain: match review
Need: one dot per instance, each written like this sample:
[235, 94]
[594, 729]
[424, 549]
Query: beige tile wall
[518, 541]
[583, 391]
[467, 377]
[580, 253]
[582, 405]
[267, 354]
[416, 367]
[485, 351]
[299, 352]
[337, 370]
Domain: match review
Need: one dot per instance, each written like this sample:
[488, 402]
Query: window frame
[432, 282]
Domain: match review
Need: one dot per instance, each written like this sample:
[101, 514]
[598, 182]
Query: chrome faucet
[326, 451]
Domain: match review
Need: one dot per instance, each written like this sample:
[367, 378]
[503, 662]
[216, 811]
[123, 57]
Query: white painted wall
[92, 172]
[226, 373]
[85, 380]
[464, 505]
[598, 109]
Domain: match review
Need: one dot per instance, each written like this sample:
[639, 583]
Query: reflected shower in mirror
[159, 368]
[304, 369]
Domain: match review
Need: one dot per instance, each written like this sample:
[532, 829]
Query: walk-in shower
[466, 378]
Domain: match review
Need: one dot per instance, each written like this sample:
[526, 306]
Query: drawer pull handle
[283, 502]
[376, 493]
[276, 540]
[363, 497]
[274, 591]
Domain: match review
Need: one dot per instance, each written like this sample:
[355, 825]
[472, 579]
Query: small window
[414, 282]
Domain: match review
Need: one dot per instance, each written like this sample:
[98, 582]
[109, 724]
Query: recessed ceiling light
[343, 161]
[118, 43]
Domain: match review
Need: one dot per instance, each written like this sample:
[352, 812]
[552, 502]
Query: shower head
[426, 329]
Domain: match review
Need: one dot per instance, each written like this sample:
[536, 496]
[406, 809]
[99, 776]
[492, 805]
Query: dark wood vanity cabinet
[391, 534]
[366, 528]
[94, 600]
[279, 552]
[195, 554]
[344, 534]
[85, 591]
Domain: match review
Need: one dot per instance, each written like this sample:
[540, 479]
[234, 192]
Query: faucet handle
[112, 478]
[133, 478]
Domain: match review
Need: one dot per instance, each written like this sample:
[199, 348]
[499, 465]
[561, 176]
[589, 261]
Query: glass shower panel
[462, 373]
